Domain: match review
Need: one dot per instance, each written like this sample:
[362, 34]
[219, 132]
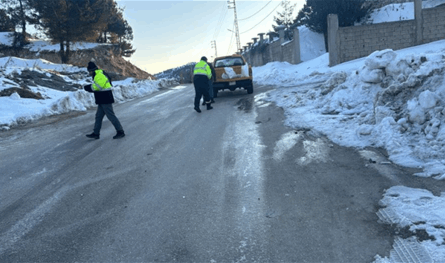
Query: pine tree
[285, 18]
[315, 12]
[6, 24]
[18, 12]
[113, 28]
[68, 21]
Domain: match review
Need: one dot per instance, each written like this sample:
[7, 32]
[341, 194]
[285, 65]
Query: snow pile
[310, 49]
[10, 64]
[390, 99]
[419, 211]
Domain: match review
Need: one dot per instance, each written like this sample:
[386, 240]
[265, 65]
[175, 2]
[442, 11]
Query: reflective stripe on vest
[202, 68]
[100, 87]
[101, 82]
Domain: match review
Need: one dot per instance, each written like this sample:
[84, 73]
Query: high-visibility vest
[101, 82]
[202, 68]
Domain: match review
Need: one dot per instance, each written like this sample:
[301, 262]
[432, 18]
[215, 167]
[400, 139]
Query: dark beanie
[204, 58]
[91, 66]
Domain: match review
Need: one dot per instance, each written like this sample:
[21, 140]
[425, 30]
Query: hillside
[182, 74]
[106, 56]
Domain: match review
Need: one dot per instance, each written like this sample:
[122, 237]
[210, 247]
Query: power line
[261, 20]
[220, 22]
[231, 38]
[256, 12]
[216, 33]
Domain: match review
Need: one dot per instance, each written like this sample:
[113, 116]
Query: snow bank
[16, 110]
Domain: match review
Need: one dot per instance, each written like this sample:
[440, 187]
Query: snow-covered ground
[398, 12]
[391, 99]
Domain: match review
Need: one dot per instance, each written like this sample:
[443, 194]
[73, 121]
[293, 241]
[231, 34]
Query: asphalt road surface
[232, 184]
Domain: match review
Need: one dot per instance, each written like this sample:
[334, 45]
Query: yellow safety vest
[202, 68]
[101, 82]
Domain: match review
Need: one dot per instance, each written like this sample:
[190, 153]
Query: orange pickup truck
[232, 72]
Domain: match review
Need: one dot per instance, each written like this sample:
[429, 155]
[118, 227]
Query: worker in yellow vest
[201, 76]
[104, 98]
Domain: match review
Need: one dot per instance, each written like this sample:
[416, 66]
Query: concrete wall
[433, 24]
[265, 51]
[360, 41]
[348, 43]
[287, 52]
[275, 51]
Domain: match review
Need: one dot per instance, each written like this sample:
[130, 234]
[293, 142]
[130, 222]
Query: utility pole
[232, 5]
[214, 46]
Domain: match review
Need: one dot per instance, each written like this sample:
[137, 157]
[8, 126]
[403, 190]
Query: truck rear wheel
[250, 89]
[215, 93]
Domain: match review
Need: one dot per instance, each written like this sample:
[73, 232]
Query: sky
[338, 102]
[169, 34]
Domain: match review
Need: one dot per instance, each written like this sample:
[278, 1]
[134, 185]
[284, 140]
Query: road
[232, 184]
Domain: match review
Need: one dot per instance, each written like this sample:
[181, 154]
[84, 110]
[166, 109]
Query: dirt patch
[245, 104]
[23, 92]
[34, 78]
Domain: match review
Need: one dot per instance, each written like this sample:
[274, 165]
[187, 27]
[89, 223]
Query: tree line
[68, 21]
[315, 12]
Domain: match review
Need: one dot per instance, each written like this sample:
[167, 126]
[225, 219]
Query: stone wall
[274, 49]
[360, 41]
[348, 43]
[433, 24]
[288, 53]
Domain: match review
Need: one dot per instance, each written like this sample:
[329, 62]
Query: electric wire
[231, 40]
[256, 12]
[220, 23]
[262, 19]
[215, 34]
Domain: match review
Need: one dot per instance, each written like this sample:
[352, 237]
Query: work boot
[93, 136]
[197, 109]
[203, 103]
[209, 107]
[119, 134]
[212, 101]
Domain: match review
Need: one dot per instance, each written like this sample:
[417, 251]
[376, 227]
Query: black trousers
[201, 83]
